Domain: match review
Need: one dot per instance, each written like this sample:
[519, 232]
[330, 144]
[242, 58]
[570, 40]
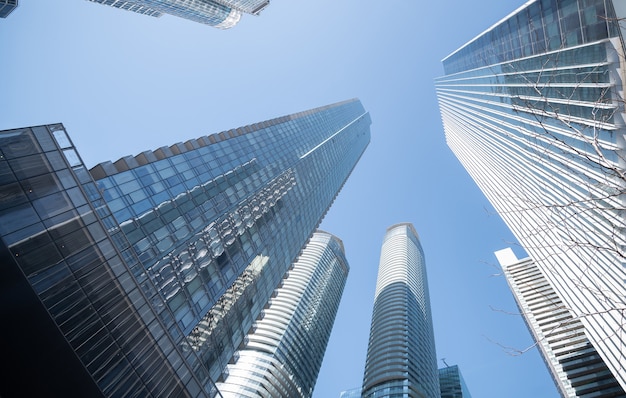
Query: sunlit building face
[401, 359]
[534, 110]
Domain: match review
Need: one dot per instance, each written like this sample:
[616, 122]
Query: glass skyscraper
[401, 359]
[452, 384]
[533, 109]
[221, 14]
[144, 275]
[283, 352]
[7, 7]
[575, 366]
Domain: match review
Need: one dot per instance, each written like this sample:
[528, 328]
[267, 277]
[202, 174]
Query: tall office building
[401, 359]
[143, 276]
[575, 366]
[451, 383]
[282, 354]
[533, 108]
[7, 7]
[222, 14]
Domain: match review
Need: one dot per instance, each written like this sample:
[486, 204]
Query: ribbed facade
[282, 354]
[575, 365]
[452, 384]
[533, 109]
[401, 359]
[153, 268]
[222, 14]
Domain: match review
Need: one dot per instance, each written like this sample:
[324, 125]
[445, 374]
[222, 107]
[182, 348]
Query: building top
[7, 7]
[405, 224]
[333, 237]
[108, 168]
[537, 27]
[492, 27]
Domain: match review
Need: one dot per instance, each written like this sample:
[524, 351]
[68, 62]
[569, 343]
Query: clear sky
[122, 83]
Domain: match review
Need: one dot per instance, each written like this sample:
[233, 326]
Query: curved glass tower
[283, 352]
[401, 359]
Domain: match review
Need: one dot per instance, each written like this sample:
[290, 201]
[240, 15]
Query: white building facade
[575, 366]
[533, 109]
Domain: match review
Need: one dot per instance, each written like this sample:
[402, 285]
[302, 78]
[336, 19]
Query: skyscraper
[533, 109]
[153, 268]
[401, 359]
[283, 352]
[7, 7]
[351, 393]
[575, 366]
[222, 14]
[452, 384]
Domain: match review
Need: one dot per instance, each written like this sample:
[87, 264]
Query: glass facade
[76, 321]
[401, 360]
[352, 393]
[533, 109]
[451, 383]
[575, 366]
[248, 6]
[283, 352]
[192, 239]
[7, 7]
[221, 14]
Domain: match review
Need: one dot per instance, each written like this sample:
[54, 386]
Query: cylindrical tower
[282, 356]
[401, 359]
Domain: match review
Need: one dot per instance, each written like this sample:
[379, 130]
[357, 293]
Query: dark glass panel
[96, 231]
[82, 174]
[104, 298]
[40, 186]
[34, 257]
[21, 234]
[96, 344]
[84, 258]
[74, 242]
[19, 144]
[114, 373]
[50, 277]
[130, 386]
[6, 175]
[52, 205]
[30, 166]
[595, 32]
[56, 161]
[66, 178]
[62, 295]
[11, 195]
[63, 229]
[74, 314]
[88, 328]
[77, 197]
[44, 138]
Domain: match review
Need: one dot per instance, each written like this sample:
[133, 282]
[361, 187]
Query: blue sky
[123, 83]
